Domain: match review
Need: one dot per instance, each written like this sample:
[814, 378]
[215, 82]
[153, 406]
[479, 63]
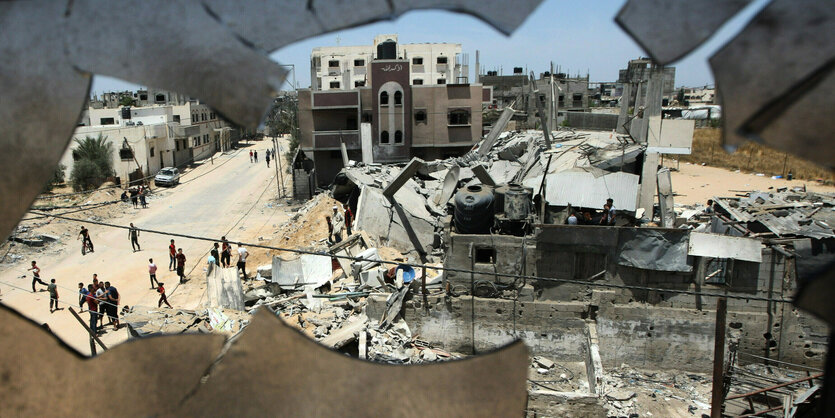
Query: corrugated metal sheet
[724, 246]
[583, 189]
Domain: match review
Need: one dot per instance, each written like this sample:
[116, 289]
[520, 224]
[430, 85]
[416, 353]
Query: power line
[443, 268]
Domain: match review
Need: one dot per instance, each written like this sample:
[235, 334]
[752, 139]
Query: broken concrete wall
[492, 254]
[377, 217]
[549, 329]
[224, 289]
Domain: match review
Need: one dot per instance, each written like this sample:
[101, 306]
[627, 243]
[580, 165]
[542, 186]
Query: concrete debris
[145, 321]
[305, 270]
[543, 362]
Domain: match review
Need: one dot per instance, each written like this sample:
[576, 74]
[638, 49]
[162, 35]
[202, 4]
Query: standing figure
[92, 307]
[338, 224]
[53, 295]
[181, 265]
[255, 154]
[226, 253]
[152, 272]
[250, 156]
[113, 300]
[349, 219]
[330, 229]
[142, 193]
[133, 235]
[172, 254]
[36, 275]
[268, 159]
[215, 254]
[82, 296]
[133, 196]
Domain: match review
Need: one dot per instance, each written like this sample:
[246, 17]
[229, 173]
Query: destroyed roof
[783, 213]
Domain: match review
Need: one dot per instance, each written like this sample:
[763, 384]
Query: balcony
[331, 139]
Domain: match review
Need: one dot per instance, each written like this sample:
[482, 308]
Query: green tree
[93, 162]
[58, 177]
[680, 98]
[125, 100]
[283, 119]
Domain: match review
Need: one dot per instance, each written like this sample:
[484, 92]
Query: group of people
[607, 217]
[136, 195]
[253, 156]
[337, 222]
[102, 300]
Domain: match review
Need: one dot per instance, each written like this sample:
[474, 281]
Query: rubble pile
[145, 321]
[628, 391]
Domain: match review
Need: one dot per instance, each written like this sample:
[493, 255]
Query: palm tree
[93, 162]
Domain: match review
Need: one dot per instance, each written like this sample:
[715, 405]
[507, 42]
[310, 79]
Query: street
[227, 197]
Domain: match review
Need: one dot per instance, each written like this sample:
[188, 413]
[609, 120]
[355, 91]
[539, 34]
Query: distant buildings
[162, 128]
[347, 67]
[390, 117]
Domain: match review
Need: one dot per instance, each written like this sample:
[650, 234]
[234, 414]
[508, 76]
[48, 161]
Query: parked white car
[168, 176]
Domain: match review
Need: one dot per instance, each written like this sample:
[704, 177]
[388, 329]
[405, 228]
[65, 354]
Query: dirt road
[227, 197]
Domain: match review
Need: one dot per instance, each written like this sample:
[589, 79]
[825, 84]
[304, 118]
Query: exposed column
[651, 121]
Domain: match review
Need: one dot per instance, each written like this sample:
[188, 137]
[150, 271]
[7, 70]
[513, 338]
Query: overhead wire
[441, 268]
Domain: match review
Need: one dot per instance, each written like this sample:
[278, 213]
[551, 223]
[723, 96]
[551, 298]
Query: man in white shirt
[242, 255]
[338, 224]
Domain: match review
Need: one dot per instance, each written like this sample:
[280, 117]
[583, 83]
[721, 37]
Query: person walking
[172, 254]
[152, 273]
[268, 159]
[250, 156]
[162, 298]
[181, 265]
[215, 254]
[53, 295]
[113, 299]
[84, 235]
[142, 200]
[255, 153]
[226, 253]
[133, 235]
[36, 275]
[242, 255]
[211, 263]
[92, 307]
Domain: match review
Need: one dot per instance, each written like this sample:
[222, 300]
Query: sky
[579, 37]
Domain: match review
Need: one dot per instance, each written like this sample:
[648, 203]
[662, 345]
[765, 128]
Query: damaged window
[334, 84]
[717, 270]
[441, 60]
[420, 116]
[359, 63]
[459, 117]
[485, 255]
[417, 61]
[333, 64]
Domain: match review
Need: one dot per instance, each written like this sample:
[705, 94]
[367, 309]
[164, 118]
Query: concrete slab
[224, 289]
[314, 270]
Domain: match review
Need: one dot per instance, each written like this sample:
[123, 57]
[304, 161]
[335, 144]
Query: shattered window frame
[421, 116]
[714, 263]
[454, 117]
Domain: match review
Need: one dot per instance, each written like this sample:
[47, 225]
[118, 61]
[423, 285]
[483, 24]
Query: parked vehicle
[168, 176]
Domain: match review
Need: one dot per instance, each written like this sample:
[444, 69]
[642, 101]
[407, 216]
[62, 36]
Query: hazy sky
[579, 37]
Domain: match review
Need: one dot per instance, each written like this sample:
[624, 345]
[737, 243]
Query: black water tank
[518, 70]
[125, 113]
[387, 50]
[474, 210]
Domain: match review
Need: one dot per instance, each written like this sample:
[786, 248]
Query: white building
[347, 67]
[165, 135]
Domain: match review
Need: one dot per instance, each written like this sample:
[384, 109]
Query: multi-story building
[637, 73]
[572, 93]
[389, 119]
[347, 67]
[173, 132]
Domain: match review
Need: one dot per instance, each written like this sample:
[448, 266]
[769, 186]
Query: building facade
[172, 133]
[389, 119]
[348, 67]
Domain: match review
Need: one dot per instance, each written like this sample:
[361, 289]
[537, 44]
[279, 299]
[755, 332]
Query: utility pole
[277, 165]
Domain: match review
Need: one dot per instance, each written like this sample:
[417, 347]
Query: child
[53, 295]
[162, 298]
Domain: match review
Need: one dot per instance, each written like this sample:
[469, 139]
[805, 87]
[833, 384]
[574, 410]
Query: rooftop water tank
[473, 210]
[387, 50]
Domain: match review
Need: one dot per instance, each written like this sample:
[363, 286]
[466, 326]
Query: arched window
[398, 137]
[398, 98]
[384, 137]
[384, 98]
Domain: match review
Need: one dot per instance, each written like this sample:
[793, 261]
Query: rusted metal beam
[719, 359]
[770, 388]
